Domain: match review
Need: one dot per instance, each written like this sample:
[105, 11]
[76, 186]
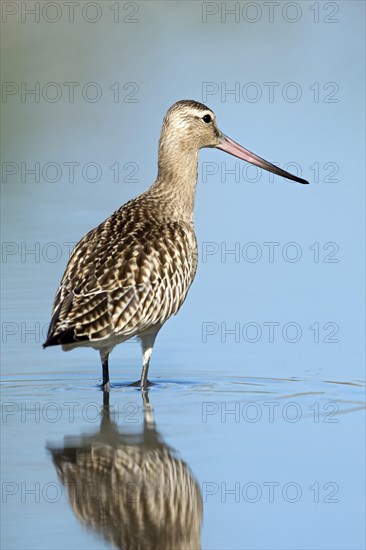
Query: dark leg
[104, 358]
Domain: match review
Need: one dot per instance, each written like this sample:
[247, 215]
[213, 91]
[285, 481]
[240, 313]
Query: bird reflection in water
[131, 488]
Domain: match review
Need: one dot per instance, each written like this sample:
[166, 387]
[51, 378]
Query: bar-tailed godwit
[127, 276]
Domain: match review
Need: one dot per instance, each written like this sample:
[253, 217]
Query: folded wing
[121, 281]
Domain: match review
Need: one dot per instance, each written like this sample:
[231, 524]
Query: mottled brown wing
[123, 278]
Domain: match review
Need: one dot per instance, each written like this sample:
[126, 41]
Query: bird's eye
[206, 118]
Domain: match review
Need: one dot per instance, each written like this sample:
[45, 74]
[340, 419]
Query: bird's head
[190, 126]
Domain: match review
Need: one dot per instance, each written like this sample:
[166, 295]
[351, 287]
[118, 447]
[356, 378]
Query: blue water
[259, 391]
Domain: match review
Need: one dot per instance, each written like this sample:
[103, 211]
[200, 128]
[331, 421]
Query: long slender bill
[230, 146]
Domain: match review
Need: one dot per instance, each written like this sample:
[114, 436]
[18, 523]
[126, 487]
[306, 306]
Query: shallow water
[279, 452]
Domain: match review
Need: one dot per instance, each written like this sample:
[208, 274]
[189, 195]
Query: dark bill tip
[230, 146]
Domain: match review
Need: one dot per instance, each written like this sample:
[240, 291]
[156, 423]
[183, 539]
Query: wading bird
[127, 276]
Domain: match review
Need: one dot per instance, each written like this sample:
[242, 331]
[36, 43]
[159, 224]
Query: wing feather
[122, 278]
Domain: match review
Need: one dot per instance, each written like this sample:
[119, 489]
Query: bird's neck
[176, 182]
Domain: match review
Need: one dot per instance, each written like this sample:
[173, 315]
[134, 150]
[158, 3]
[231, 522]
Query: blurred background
[276, 311]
